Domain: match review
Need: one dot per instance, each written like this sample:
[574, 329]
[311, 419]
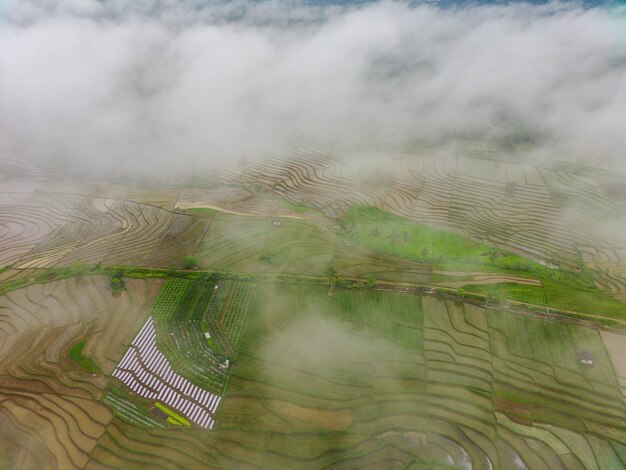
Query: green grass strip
[86, 363]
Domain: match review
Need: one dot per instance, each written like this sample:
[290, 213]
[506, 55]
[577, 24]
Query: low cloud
[145, 82]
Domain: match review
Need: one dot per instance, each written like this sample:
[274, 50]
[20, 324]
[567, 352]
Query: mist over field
[106, 84]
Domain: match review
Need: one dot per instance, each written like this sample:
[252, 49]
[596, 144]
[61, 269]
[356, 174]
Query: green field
[194, 302]
[185, 346]
[226, 313]
[562, 289]
[265, 245]
[202, 211]
[170, 297]
[183, 312]
[397, 235]
[529, 294]
[131, 407]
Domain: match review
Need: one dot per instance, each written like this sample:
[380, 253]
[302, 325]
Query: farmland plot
[399, 378]
[23, 227]
[259, 244]
[49, 416]
[177, 359]
[89, 233]
[148, 373]
[42, 322]
[356, 379]
[317, 378]
[538, 358]
[227, 311]
[370, 379]
[555, 216]
[48, 431]
[95, 229]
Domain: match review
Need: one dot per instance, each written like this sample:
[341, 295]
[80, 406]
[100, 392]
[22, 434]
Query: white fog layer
[105, 83]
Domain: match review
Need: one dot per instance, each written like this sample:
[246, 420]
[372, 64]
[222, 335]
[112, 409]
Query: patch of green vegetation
[333, 276]
[6, 268]
[591, 300]
[172, 414]
[522, 293]
[86, 363]
[170, 295]
[388, 233]
[202, 211]
[270, 258]
[74, 269]
[397, 235]
[227, 312]
[130, 407]
[116, 281]
[194, 302]
[190, 262]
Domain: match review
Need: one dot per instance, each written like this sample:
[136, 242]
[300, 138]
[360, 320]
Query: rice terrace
[277, 315]
[312, 234]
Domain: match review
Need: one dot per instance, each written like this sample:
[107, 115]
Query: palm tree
[375, 232]
[333, 276]
[393, 237]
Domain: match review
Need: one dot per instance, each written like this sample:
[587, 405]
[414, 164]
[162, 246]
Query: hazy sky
[141, 81]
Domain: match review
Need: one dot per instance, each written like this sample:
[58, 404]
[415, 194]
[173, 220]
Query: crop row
[185, 345]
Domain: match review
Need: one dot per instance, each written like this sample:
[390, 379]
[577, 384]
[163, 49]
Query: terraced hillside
[356, 379]
[384, 380]
[49, 408]
[560, 215]
[286, 341]
[116, 232]
[60, 230]
[48, 431]
[42, 322]
[280, 213]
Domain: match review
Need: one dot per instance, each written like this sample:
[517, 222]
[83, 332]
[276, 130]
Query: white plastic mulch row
[148, 373]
